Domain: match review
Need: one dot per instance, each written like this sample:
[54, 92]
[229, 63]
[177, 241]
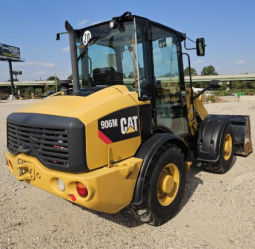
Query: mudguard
[211, 132]
[209, 137]
[146, 152]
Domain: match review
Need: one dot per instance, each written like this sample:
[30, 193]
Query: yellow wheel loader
[124, 131]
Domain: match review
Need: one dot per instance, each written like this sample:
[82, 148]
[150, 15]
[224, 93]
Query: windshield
[115, 57]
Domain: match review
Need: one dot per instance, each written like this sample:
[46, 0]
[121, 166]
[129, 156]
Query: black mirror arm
[212, 84]
[185, 43]
[201, 92]
[58, 35]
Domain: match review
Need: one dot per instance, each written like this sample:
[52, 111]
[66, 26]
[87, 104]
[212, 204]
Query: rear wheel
[163, 188]
[226, 152]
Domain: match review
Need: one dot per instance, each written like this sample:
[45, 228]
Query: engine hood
[86, 108]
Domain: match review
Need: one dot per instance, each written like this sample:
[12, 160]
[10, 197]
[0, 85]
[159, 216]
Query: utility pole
[11, 78]
[56, 86]
[243, 63]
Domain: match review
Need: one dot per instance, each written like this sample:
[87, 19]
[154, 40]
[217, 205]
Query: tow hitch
[25, 171]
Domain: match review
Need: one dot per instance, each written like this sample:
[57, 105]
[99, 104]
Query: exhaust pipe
[73, 52]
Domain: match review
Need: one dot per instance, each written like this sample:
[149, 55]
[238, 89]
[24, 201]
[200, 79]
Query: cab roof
[180, 34]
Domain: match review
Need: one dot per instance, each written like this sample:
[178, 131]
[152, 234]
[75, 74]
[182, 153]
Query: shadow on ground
[193, 181]
[122, 218]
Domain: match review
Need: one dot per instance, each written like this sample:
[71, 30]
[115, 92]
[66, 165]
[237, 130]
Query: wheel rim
[227, 146]
[168, 184]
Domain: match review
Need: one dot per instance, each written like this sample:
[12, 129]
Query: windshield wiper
[93, 38]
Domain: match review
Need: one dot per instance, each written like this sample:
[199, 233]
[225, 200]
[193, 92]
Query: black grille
[49, 145]
[57, 142]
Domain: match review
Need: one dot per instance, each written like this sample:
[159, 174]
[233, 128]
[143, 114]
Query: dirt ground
[218, 211]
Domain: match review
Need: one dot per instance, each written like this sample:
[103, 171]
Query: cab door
[171, 114]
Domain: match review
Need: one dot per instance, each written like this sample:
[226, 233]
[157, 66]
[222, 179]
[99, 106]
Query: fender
[210, 136]
[146, 152]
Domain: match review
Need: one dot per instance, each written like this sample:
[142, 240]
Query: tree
[131, 75]
[192, 70]
[28, 91]
[53, 78]
[210, 70]
[70, 77]
[13, 80]
[49, 88]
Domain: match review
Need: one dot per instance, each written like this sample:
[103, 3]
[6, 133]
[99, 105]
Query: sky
[228, 28]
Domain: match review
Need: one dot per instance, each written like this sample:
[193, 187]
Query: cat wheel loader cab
[122, 132]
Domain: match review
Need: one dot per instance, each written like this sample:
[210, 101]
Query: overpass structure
[223, 78]
[20, 85]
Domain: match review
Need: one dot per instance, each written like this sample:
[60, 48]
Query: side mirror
[200, 46]
[162, 43]
[215, 84]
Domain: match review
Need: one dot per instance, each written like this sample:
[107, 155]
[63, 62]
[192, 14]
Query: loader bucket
[242, 131]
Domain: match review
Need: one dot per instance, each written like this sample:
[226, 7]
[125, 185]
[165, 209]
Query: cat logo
[128, 125]
[119, 125]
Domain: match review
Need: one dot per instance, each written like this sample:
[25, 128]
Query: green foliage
[231, 91]
[5, 90]
[237, 86]
[13, 80]
[53, 78]
[70, 77]
[38, 91]
[210, 70]
[243, 85]
[50, 88]
[193, 71]
[170, 74]
[28, 91]
[200, 84]
[212, 98]
[131, 75]
[4, 95]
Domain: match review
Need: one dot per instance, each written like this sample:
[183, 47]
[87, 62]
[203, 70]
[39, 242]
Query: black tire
[150, 210]
[223, 165]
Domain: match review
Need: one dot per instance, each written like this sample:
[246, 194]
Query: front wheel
[163, 188]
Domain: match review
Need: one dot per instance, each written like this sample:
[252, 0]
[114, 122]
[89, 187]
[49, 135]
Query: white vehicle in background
[206, 93]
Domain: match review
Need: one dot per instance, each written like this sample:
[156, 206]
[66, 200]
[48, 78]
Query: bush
[231, 91]
[4, 96]
[28, 91]
[212, 98]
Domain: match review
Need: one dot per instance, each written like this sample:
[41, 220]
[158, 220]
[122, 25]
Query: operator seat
[107, 76]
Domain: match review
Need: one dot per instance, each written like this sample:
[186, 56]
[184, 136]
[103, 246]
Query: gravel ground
[217, 210]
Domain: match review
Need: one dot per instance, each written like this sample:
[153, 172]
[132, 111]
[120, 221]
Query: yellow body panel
[191, 116]
[199, 110]
[89, 110]
[109, 189]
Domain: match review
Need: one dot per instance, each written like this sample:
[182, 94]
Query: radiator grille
[49, 145]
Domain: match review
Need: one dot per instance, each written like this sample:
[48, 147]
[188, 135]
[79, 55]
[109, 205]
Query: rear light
[81, 189]
[10, 164]
[73, 198]
[7, 162]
